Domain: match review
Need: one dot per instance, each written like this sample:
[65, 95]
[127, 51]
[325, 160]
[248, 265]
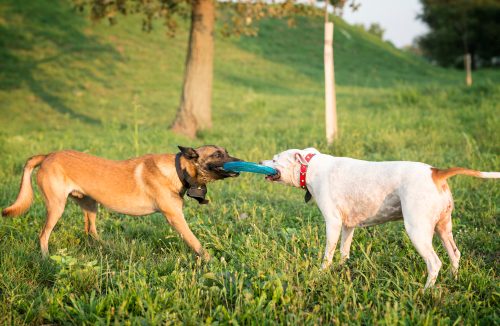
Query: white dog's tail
[439, 176]
[489, 175]
[25, 196]
[445, 174]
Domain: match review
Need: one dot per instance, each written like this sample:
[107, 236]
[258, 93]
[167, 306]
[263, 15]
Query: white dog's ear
[300, 159]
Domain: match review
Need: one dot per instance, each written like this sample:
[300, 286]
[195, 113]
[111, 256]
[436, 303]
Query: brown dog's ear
[188, 152]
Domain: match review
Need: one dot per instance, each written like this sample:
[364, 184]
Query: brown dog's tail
[439, 176]
[25, 196]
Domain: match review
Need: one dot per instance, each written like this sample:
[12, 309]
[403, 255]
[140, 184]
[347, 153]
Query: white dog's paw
[325, 266]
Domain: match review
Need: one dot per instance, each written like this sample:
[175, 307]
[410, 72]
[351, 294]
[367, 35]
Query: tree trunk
[194, 112]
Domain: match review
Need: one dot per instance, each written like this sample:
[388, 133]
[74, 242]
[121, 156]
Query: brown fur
[138, 186]
[439, 176]
[25, 196]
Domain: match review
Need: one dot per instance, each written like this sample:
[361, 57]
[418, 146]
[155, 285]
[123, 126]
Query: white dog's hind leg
[443, 229]
[333, 225]
[421, 238]
[420, 206]
[345, 242]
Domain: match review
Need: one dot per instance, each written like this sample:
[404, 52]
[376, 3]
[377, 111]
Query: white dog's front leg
[333, 226]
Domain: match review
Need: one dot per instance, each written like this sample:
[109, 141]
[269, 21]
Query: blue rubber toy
[242, 166]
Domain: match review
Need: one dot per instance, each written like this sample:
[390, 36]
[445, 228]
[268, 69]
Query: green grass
[65, 83]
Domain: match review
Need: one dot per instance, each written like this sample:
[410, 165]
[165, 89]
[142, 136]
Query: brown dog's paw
[204, 255]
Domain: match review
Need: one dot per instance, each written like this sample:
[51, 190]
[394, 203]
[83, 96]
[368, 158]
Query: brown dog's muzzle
[218, 168]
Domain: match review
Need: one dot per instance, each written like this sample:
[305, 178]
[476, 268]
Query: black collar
[194, 190]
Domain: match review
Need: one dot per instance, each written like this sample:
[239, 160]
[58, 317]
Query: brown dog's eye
[218, 155]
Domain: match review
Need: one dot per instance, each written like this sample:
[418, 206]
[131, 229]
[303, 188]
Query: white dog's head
[288, 165]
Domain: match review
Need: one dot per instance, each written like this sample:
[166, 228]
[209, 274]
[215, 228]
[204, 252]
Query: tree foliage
[458, 27]
[376, 29]
[236, 17]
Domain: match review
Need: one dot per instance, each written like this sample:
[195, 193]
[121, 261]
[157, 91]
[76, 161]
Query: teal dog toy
[242, 166]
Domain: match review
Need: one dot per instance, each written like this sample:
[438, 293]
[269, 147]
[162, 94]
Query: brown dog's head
[208, 161]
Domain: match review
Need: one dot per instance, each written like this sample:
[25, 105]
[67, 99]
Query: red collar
[303, 170]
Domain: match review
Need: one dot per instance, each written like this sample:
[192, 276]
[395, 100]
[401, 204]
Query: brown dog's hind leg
[55, 201]
[89, 208]
[171, 208]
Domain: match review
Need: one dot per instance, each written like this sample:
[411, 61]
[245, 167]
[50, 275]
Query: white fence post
[330, 98]
[468, 76]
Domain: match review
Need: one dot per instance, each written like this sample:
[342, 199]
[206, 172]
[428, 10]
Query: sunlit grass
[113, 92]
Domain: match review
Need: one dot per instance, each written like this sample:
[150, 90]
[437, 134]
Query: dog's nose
[260, 162]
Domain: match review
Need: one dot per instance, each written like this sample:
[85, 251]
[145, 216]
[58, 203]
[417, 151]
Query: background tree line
[461, 27]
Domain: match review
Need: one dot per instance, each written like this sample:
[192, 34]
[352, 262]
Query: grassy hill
[112, 91]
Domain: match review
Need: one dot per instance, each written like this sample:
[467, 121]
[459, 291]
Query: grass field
[65, 83]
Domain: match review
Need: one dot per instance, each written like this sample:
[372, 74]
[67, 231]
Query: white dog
[352, 193]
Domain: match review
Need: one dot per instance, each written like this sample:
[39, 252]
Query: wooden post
[468, 74]
[330, 99]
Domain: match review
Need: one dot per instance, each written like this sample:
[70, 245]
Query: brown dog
[138, 186]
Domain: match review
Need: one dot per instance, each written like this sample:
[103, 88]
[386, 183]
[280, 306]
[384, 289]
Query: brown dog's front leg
[175, 217]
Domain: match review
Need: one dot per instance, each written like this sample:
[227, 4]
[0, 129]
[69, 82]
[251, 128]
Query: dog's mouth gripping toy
[242, 166]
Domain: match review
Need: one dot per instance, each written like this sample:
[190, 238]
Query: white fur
[353, 193]
[492, 175]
